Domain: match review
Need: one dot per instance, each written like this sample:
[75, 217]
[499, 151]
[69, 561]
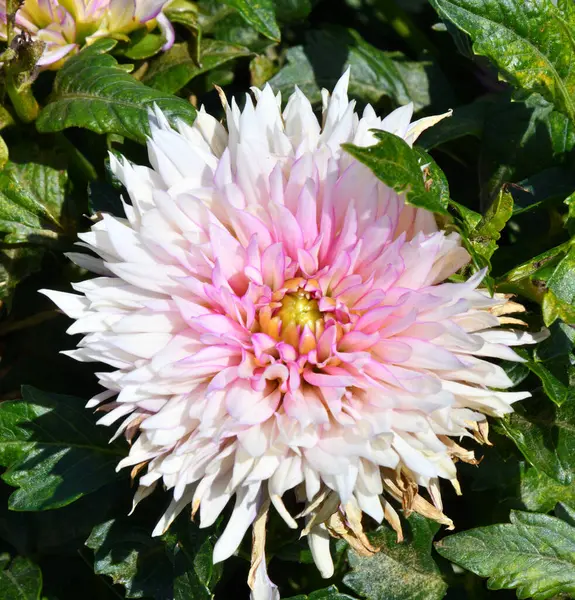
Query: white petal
[245, 511]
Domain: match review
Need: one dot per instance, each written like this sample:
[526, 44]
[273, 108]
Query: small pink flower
[279, 319]
[65, 26]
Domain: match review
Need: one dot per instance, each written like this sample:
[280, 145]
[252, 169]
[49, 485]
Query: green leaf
[527, 279]
[144, 44]
[530, 42]
[34, 197]
[488, 230]
[54, 452]
[260, 14]
[93, 91]
[534, 553]
[374, 74]
[554, 308]
[330, 593]
[183, 12]
[552, 375]
[21, 580]
[400, 571]
[559, 299]
[177, 565]
[562, 281]
[544, 433]
[177, 67]
[540, 493]
[397, 164]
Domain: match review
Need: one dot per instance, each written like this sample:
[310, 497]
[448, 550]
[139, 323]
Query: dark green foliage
[53, 451]
[500, 172]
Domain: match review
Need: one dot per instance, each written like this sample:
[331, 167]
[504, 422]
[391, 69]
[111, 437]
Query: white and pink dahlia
[279, 320]
[65, 26]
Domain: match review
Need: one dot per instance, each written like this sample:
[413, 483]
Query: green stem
[23, 101]
[405, 27]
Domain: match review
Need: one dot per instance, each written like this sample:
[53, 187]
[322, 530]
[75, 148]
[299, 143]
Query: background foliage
[507, 68]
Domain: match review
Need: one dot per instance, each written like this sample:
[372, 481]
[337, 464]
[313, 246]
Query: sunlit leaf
[398, 166]
[94, 92]
[530, 41]
[534, 553]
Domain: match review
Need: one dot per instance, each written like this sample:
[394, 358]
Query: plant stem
[23, 101]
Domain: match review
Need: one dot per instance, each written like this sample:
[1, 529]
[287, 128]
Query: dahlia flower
[65, 26]
[278, 319]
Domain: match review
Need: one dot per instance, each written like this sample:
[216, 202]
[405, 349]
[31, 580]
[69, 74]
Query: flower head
[279, 319]
[65, 26]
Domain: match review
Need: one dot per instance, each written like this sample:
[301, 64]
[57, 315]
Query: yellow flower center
[299, 309]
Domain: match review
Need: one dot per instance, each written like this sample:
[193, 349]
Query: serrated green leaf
[177, 67]
[544, 433]
[260, 14]
[488, 231]
[530, 41]
[399, 571]
[374, 74]
[554, 377]
[395, 163]
[131, 557]
[21, 580]
[54, 452]
[534, 553]
[177, 565]
[93, 91]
